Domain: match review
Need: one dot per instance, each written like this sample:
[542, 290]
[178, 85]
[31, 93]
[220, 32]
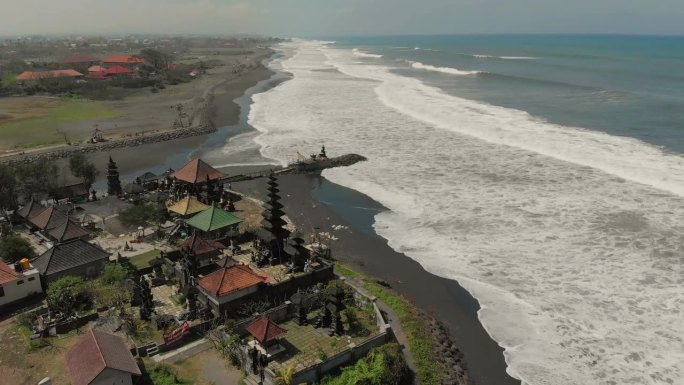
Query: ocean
[544, 173]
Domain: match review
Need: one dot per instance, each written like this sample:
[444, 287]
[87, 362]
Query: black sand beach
[358, 246]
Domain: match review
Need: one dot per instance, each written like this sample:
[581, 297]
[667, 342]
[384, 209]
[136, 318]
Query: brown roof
[67, 231]
[123, 59]
[197, 171]
[36, 75]
[94, 352]
[265, 330]
[7, 274]
[49, 218]
[30, 210]
[230, 279]
[200, 246]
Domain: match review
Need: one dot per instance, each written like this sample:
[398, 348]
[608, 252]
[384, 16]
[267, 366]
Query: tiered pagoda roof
[273, 213]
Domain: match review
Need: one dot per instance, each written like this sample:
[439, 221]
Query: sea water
[543, 173]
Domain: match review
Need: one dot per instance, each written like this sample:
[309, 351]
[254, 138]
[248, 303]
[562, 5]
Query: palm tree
[285, 376]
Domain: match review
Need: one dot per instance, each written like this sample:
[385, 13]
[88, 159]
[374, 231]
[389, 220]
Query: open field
[32, 121]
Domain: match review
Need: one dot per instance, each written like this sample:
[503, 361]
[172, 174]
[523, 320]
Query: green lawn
[140, 261]
[420, 342]
[41, 125]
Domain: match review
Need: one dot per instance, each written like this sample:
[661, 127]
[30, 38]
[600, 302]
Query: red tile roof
[230, 279]
[123, 60]
[94, 352]
[118, 70]
[265, 330]
[7, 274]
[197, 171]
[31, 75]
[200, 246]
[96, 68]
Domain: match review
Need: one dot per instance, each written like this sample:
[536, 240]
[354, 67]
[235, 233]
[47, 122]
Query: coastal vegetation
[384, 365]
[421, 345]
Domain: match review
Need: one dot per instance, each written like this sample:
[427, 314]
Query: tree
[157, 59]
[383, 366]
[13, 248]
[151, 213]
[114, 273]
[8, 192]
[67, 294]
[37, 177]
[81, 168]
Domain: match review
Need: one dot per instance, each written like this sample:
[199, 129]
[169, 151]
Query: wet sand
[358, 246]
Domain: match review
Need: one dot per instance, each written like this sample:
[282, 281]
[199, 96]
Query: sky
[317, 18]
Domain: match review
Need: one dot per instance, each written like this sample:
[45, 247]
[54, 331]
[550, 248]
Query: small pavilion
[197, 171]
[213, 220]
[187, 206]
[267, 335]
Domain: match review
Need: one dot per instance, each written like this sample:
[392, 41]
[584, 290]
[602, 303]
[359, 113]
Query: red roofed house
[38, 75]
[118, 70]
[18, 281]
[97, 71]
[229, 284]
[128, 61]
[100, 358]
[197, 171]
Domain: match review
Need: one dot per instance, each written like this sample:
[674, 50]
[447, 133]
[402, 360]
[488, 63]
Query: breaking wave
[445, 70]
[360, 53]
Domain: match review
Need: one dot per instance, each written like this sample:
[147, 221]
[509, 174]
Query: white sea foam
[570, 239]
[446, 70]
[360, 53]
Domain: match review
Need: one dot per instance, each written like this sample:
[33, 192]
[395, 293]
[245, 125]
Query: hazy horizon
[301, 18]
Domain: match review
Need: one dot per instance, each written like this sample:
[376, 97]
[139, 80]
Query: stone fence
[206, 127]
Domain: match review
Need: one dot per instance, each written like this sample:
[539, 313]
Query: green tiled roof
[212, 219]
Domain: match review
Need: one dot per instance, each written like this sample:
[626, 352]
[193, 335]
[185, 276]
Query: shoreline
[313, 202]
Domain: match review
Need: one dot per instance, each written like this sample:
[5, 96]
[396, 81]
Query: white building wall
[14, 291]
[111, 376]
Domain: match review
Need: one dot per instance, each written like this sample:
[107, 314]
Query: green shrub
[383, 366]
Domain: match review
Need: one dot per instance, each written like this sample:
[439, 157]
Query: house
[97, 72]
[78, 258]
[228, 284]
[30, 210]
[52, 74]
[74, 192]
[18, 281]
[118, 70]
[53, 222]
[100, 358]
[126, 61]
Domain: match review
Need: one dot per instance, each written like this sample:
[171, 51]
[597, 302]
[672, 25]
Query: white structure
[18, 281]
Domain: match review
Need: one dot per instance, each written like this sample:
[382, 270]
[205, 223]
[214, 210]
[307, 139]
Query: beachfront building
[199, 179]
[101, 358]
[18, 281]
[52, 223]
[77, 258]
[227, 285]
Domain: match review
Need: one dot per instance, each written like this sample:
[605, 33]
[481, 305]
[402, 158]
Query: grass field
[141, 260]
[33, 121]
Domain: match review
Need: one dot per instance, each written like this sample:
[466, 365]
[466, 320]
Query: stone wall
[202, 129]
